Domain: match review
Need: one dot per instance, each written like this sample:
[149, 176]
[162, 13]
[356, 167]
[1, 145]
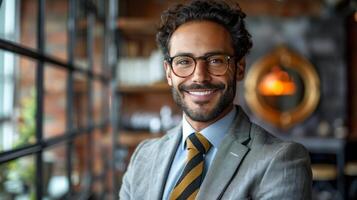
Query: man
[216, 153]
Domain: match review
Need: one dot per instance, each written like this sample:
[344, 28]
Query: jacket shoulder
[260, 138]
[150, 147]
[271, 156]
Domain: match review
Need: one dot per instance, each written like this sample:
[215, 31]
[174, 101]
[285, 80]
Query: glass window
[55, 101]
[56, 28]
[80, 170]
[9, 19]
[8, 30]
[98, 48]
[81, 101]
[7, 88]
[101, 154]
[13, 28]
[55, 182]
[15, 182]
[20, 102]
[17, 100]
[98, 93]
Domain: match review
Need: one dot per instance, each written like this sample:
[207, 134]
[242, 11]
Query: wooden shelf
[82, 24]
[143, 26]
[132, 138]
[129, 25]
[157, 87]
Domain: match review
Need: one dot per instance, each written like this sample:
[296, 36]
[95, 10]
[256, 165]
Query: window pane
[82, 38]
[18, 22]
[108, 148]
[28, 16]
[15, 182]
[17, 100]
[98, 101]
[55, 101]
[81, 101]
[81, 174]
[56, 28]
[80, 49]
[80, 52]
[101, 102]
[8, 63]
[98, 47]
[105, 103]
[55, 182]
[102, 143]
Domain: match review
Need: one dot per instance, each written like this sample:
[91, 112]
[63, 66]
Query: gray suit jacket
[249, 164]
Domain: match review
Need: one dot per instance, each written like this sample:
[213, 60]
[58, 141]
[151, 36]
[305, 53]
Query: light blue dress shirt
[214, 133]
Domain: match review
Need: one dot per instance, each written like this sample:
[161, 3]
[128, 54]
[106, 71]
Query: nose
[201, 73]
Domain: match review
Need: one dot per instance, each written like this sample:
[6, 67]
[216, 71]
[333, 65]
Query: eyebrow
[204, 55]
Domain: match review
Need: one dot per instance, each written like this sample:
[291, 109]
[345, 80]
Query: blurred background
[82, 83]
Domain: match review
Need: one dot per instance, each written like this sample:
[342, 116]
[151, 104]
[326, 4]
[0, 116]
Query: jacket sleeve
[125, 189]
[288, 175]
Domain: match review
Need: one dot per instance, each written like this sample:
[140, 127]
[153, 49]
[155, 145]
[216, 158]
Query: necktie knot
[198, 142]
[189, 183]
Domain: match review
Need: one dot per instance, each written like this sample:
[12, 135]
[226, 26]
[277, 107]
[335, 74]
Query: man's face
[202, 96]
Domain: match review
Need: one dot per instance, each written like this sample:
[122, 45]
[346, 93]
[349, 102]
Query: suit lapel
[162, 163]
[227, 160]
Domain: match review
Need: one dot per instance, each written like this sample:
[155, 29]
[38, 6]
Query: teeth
[201, 93]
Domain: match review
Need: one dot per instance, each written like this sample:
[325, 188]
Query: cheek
[228, 78]
[175, 82]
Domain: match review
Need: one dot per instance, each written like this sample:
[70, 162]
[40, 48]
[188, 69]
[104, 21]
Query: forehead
[199, 38]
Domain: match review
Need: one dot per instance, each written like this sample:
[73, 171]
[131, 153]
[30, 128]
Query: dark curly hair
[231, 17]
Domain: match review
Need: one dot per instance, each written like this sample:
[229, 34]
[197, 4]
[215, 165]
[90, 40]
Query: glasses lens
[217, 64]
[183, 65]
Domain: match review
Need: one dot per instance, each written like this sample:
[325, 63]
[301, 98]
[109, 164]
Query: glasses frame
[204, 58]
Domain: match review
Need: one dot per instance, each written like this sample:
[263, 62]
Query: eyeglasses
[184, 65]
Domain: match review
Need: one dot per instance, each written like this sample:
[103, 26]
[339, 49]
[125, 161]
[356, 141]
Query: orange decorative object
[277, 83]
[282, 88]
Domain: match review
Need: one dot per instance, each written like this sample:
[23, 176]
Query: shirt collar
[214, 133]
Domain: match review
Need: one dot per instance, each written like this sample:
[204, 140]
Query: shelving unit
[137, 25]
[137, 41]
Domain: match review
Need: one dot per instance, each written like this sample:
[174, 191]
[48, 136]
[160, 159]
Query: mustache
[208, 86]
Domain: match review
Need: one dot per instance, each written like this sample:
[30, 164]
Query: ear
[240, 69]
[168, 73]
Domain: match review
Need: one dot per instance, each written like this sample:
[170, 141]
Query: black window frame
[107, 79]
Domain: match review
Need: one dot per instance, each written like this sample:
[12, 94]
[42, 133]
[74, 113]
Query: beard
[224, 101]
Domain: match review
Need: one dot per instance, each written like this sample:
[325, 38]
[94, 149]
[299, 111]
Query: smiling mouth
[201, 96]
[201, 93]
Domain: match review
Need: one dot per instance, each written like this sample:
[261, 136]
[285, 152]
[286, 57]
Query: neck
[198, 126]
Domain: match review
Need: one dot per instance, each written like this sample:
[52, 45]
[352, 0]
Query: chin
[202, 112]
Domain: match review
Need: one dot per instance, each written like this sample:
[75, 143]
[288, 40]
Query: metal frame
[106, 80]
[112, 48]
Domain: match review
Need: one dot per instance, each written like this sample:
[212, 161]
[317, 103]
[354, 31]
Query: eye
[182, 61]
[216, 60]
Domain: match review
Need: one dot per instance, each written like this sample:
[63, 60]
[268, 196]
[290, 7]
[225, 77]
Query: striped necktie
[191, 178]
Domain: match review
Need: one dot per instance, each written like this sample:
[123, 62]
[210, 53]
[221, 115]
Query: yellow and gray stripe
[189, 182]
